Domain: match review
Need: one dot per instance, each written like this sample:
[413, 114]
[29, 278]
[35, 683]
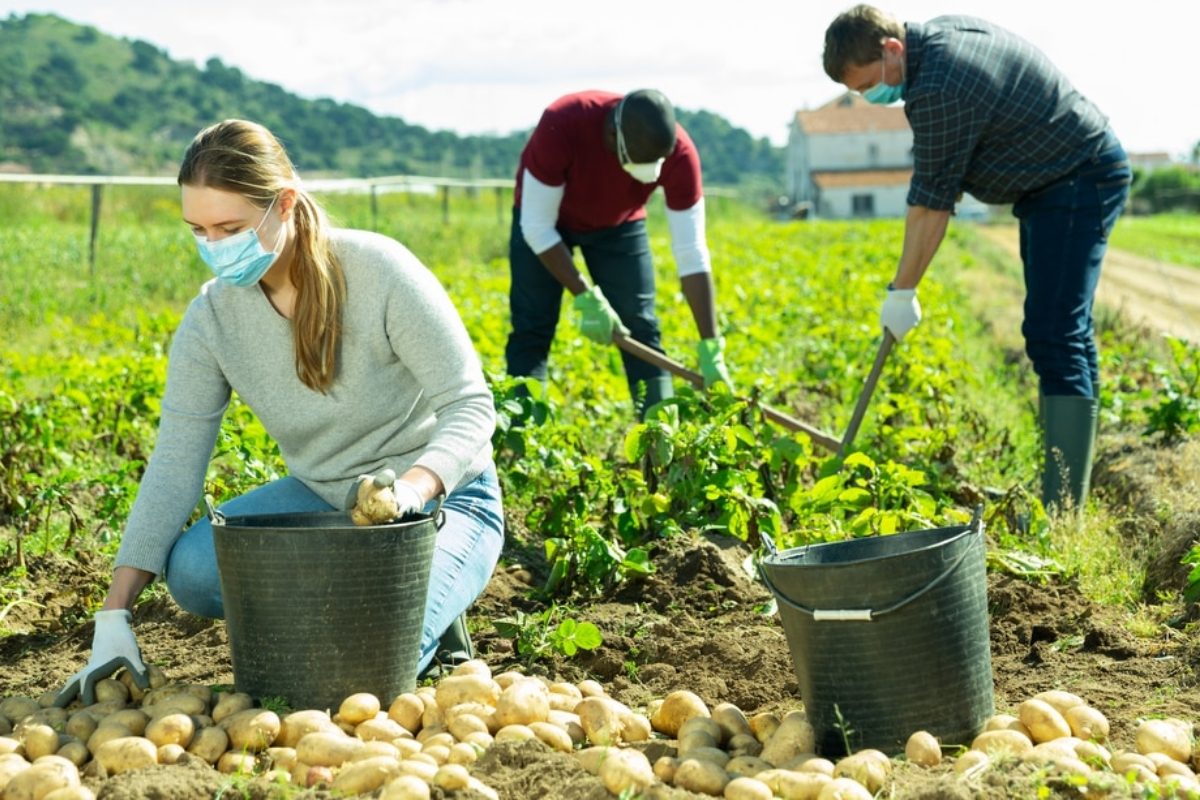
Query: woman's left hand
[381, 498]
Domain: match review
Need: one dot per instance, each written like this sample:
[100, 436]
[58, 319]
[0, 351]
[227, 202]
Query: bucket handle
[215, 516]
[868, 614]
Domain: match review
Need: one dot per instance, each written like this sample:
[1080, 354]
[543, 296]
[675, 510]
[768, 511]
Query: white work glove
[113, 647]
[382, 498]
[901, 311]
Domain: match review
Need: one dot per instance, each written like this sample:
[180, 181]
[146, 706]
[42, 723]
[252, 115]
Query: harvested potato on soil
[676, 708]
[1043, 720]
[1163, 736]
[923, 749]
[126, 753]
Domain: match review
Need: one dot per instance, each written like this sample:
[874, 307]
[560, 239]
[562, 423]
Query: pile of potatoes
[1059, 729]
[425, 738]
[431, 737]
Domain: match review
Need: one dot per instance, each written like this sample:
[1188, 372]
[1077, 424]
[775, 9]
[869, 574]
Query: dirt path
[1163, 297]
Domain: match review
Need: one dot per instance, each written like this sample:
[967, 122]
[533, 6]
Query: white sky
[490, 66]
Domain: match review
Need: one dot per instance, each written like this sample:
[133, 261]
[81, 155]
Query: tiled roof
[866, 177]
[850, 113]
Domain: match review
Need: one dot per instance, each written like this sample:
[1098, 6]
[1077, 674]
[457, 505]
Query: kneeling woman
[353, 357]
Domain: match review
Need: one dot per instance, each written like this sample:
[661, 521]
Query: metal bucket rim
[792, 556]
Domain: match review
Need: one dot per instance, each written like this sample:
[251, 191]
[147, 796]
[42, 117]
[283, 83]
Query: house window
[862, 205]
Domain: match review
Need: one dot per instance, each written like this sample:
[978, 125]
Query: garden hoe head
[825, 440]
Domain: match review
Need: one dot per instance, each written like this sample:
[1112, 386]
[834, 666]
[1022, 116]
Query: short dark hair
[856, 37]
[648, 122]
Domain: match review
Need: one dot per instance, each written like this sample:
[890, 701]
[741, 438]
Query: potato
[1166, 766]
[811, 762]
[714, 734]
[923, 749]
[744, 744]
[75, 751]
[465, 754]
[171, 729]
[406, 787]
[552, 735]
[230, 703]
[380, 729]
[296, 725]
[600, 719]
[39, 740]
[81, 725]
[471, 688]
[794, 735]
[15, 709]
[523, 702]
[54, 717]
[367, 775]
[677, 707]
[762, 725]
[634, 727]
[106, 732]
[869, 768]
[1087, 723]
[463, 724]
[732, 720]
[111, 689]
[1094, 754]
[451, 777]
[435, 736]
[695, 740]
[625, 771]
[134, 719]
[322, 749]
[252, 730]
[1004, 742]
[79, 792]
[1059, 700]
[704, 777]
[747, 766]
[170, 753]
[359, 708]
[665, 767]
[209, 744]
[235, 763]
[515, 733]
[423, 769]
[843, 789]
[1043, 720]
[747, 789]
[126, 753]
[794, 785]
[406, 710]
[591, 688]
[41, 779]
[1162, 736]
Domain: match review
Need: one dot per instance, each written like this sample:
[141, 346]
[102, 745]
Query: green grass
[1173, 238]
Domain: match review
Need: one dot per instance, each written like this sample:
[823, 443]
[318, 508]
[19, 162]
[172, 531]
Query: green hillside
[76, 100]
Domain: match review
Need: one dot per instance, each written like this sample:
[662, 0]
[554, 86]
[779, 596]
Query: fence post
[445, 204]
[95, 230]
[374, 210]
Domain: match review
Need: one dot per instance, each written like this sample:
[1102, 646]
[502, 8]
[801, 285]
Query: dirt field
[1162, 297]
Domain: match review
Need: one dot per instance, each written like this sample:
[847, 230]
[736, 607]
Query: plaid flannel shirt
[990, 114]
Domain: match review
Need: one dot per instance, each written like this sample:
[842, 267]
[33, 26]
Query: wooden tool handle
[652, 356]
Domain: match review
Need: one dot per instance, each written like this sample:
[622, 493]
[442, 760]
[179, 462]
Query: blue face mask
[239, 260]
[881, 93]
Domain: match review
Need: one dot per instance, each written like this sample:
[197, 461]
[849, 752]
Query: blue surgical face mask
[240, 259]
[881, 93]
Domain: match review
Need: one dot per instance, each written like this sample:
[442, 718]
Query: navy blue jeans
[1064, 233]
[618, 260]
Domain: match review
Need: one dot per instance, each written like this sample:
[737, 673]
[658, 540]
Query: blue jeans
[468, 547]
[618, 259]
[1064, 233]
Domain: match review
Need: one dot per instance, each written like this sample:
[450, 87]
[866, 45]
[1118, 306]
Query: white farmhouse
[850, 158]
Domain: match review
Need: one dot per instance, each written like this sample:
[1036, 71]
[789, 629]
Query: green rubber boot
[1069, 440]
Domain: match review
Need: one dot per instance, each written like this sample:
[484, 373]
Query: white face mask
[645, 173]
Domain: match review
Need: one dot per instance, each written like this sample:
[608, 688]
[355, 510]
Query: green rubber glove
[597, 320]
[712, 362]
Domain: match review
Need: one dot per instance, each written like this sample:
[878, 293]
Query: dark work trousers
[1064, 233]
[618, 260]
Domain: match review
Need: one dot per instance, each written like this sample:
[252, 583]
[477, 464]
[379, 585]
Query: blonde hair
[246, 158]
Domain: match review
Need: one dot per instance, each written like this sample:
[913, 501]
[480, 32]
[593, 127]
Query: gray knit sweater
[409, 391]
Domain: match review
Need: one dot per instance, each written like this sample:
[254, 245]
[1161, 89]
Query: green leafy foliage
[535, 635]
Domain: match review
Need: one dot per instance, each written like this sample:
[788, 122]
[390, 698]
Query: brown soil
[1163, 297]
[697, 623]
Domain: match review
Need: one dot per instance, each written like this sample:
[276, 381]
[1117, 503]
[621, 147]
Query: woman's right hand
[113, 647]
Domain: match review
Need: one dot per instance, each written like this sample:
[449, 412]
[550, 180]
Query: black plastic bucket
[318, 608]
[888, 636]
